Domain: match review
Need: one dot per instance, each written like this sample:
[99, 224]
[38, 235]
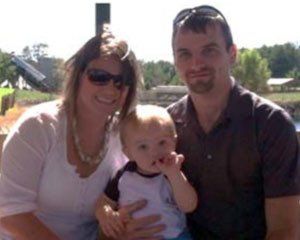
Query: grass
[26, 96]
[23, 100]
[284, 97]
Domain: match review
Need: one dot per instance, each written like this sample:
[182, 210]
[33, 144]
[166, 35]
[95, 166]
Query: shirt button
[209, 156]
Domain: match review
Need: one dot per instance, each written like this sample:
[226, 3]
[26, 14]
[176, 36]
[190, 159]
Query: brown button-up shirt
[250, 154]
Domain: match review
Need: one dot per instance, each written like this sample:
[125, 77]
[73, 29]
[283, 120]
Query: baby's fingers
[180, 158]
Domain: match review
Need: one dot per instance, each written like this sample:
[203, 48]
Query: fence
[7, 102]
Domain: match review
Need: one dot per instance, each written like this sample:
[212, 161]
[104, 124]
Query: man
[241, 151]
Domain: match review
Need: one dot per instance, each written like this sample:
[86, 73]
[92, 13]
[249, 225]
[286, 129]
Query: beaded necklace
[86, 158]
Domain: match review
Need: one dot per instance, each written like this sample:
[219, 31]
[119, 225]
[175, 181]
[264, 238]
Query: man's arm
[283, 218]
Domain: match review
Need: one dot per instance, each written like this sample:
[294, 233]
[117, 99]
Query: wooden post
[2, 138]
[4, 104]
[102, 15]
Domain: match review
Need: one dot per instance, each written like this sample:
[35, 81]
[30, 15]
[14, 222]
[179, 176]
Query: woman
[59, 156]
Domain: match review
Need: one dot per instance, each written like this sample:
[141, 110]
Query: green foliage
[35, 52]
[285, 97]
[252, 70]
[7, 69]
[282, 59]
[294, 73]
[159, 73]
[58, 74]
[54, 70]
[30, 96]
[6, 91]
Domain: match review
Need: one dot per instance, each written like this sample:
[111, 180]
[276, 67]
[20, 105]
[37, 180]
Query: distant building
[283, 84]
[5, 84]
[22, 84]
[33, 77]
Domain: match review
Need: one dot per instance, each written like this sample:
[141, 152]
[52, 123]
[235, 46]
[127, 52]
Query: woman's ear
[123, 96]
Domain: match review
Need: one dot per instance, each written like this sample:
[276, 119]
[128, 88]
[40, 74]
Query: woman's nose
[111, 88]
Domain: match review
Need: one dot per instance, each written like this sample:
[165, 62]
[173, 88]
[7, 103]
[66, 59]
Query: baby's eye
[162, 142]
[142, 147]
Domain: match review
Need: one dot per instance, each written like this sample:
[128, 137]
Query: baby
[153, 173]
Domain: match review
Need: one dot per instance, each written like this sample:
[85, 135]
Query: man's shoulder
[265, 112]
[178, 108]
[258, 103]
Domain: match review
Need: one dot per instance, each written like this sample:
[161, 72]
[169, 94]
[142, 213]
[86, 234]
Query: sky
[65, 25]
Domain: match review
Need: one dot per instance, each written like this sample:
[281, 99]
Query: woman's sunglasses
[101, 78]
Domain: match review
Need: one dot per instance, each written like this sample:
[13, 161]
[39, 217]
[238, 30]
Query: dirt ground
[10, 117]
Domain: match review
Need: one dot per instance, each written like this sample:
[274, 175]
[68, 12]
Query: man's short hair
[198, 18]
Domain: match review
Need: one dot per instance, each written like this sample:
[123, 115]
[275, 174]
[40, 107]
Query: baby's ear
[125, 151]
[175, 138]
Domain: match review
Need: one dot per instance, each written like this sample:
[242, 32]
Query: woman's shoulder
[41, 116]
[40, 124]
[45, 112]
[49, 110]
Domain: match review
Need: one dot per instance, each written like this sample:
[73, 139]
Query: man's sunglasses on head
[101, 77]
[204, 10]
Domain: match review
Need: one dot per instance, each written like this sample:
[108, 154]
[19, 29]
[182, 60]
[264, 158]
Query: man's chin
[200, 88]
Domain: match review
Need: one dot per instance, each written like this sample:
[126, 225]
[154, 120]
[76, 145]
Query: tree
[7, 69]
[252, 70]
[58, 74]
[27, 54]
[35, 53]
[159, 73]
[282, 58]
[295, 73]
[51, 67]
[39, 51]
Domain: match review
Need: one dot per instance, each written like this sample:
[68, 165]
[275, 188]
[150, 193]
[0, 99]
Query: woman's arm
[139, 228]
[112, 223]
[24, 153]
[26, 226]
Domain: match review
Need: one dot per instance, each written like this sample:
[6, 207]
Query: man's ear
[233, 54]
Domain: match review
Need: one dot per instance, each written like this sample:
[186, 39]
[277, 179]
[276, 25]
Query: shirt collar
[239, 106]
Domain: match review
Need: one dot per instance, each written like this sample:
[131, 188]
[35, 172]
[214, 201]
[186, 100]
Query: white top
[129, 186]
[36, 175]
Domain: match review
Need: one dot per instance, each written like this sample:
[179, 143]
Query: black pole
[102, 15]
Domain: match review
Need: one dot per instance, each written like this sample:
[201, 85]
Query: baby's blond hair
[144, 115]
